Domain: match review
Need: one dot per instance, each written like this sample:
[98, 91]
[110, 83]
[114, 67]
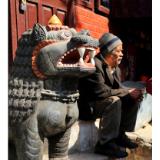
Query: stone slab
[85, 134]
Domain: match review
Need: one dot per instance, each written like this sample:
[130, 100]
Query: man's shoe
[124, 141]
[110, 149]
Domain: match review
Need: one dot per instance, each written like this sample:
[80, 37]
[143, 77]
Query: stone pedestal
[84, 136]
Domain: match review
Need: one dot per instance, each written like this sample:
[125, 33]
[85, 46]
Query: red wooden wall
[79, 14]
[87, 19]
[37, 11]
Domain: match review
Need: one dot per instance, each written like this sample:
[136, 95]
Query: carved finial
[54, 20]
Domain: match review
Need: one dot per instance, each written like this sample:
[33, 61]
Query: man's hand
[136, 94]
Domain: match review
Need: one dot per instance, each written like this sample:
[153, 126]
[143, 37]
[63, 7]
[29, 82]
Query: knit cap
[108, 42]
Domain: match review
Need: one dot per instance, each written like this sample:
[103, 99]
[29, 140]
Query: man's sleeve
[101, 89]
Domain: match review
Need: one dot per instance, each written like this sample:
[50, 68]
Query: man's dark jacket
[98, 86]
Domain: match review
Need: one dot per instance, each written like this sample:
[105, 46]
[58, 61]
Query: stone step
[137, 154]
[82, 156]
[84, 135]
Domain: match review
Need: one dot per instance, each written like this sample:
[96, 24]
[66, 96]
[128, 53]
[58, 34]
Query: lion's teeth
[92, 53]
[81, 61]
[81, 51]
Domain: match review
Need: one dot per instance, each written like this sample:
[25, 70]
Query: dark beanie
[108, 42]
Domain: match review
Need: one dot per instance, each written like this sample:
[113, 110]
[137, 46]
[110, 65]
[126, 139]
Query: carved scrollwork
[39, 33]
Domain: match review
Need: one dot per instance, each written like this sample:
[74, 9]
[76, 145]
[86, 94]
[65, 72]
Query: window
[86, 3]
[103, 6]
[105, 3]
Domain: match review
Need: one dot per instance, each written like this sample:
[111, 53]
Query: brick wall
[86, 19]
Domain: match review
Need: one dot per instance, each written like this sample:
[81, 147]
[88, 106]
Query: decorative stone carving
[43, 89]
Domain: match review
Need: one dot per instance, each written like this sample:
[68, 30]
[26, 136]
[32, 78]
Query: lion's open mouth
[78, 57]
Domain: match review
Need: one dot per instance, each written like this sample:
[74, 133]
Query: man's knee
[116, 100]
[115, 105]
[114, 109]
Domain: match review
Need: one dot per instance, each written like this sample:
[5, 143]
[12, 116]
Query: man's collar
[112, 70]
[104, 61]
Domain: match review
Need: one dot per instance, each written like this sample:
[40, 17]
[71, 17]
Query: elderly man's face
[116, 56]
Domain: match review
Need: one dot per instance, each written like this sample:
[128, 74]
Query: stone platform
[85, 134]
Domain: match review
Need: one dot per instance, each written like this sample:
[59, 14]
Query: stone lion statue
[43, 89]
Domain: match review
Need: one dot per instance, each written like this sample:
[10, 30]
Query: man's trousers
[117, 115]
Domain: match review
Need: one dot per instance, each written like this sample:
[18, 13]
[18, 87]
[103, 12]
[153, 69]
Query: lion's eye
[65, 35]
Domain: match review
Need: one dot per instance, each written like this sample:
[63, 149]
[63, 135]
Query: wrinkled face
[116, 56]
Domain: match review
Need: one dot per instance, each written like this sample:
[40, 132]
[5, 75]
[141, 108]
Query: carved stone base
[59, 158]
[58, 146]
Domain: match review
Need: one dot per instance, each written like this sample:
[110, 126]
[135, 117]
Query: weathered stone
[84, 135]
[43, 90]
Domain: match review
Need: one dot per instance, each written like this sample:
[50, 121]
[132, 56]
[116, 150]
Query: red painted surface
[21, 20]
[47, 13]
[40, 11]
[13, 32]
[32, 14]
[37, 11]
[86, 19]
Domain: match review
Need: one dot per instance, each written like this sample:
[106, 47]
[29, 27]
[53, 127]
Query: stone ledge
[142, 136]
[81, 156]
[84, 135]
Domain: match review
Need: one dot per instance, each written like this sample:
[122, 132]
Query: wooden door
[36, 11]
